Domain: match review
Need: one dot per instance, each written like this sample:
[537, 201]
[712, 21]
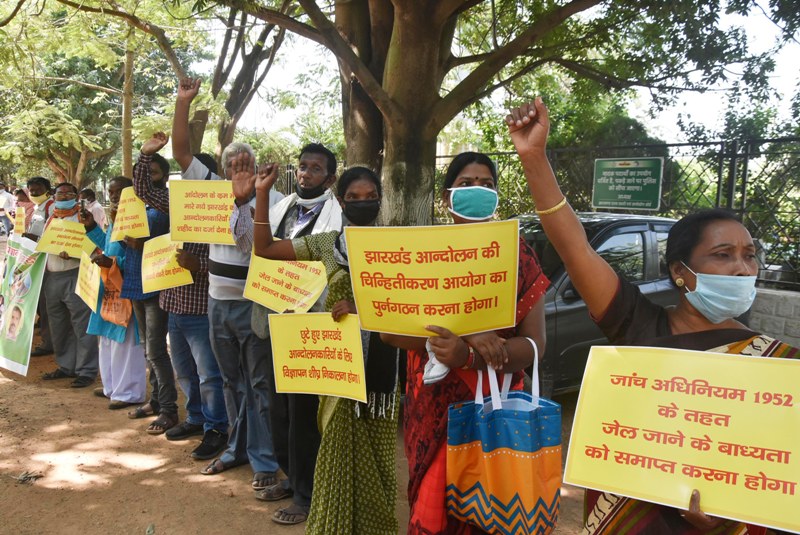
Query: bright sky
[299, 55]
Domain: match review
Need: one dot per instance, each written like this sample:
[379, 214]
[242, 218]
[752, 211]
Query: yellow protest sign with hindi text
[200, 211]
[461, 277]
[282, 286]
[654, 424]
[19, 221]
[160, 269]
[62, 235]
[88, 286]
[312, 354]
[131, 219]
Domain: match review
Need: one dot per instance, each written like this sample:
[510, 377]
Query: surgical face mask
[475, 203]
[362, 213]
[722, 297]
[39, 199]
[66, 204]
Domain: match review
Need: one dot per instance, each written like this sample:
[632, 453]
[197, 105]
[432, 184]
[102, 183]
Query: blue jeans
[197, 372]
[241, 358]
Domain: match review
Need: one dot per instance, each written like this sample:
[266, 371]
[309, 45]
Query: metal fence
[759, 179]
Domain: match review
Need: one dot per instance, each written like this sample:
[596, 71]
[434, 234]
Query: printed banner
[88, 287]
[131, 217]
[200, 211]
[62, 235]
[282, 286]
[462, 277]
[656, 423]
[160, 269]
[312, 354]
[22, 270]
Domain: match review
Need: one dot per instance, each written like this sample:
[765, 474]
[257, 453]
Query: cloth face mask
[474, 203]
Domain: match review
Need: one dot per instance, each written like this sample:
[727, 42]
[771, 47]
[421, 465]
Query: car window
[663, 268]
[625, 253]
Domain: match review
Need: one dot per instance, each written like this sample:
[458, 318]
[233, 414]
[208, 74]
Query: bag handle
[494, 390]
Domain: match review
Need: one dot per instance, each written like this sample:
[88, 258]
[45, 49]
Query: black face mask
[312, 193]
[362, 213]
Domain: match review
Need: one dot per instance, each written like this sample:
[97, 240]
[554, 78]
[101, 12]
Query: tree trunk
[408, 174]
[127, 106]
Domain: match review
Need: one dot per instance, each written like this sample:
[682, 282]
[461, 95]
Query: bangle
[554, 209]
[470, 359]
[261, 223]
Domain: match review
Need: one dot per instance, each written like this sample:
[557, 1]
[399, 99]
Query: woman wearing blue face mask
[711, 259]
[470, 193]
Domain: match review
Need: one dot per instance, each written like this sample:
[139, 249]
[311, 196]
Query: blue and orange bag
[504, 460]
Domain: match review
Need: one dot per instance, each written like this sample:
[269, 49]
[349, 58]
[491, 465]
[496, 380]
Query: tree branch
[13, 14]
[143, 25]
[109, 90]
[276, 17]
[449, 106]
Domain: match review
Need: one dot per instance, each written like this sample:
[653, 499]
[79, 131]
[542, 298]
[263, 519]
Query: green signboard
[630, 184]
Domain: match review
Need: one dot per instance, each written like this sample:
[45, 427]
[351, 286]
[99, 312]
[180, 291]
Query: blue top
[97, 325]
[132, 283]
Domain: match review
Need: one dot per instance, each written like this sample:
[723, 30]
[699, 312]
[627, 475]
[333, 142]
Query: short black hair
[122, 178]
[207, 160]
[354, 173]
[72, 186]
[89, 193]
[40, 180]
[464, 159]
[162, 163]
[684, 235]
[319, 148]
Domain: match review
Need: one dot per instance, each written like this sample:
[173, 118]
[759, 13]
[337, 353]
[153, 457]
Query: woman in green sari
[355, 481]
[712, 261]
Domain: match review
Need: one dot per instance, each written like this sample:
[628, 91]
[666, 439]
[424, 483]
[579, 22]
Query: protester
[68, 316]
[355, 487]
[311, 209]
[238, 350]
[91, 205]
[190, 347]
[470, 193]
[27, 206]
[40, 194]
[7, 203]
[152, 321]
[121, 356]
[712, 261]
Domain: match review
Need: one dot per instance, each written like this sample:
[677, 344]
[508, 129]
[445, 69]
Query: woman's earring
[679, 282]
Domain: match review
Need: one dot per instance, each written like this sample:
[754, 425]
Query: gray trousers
[76, 352]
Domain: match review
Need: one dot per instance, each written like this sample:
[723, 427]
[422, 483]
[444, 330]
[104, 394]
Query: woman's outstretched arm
[596, 281]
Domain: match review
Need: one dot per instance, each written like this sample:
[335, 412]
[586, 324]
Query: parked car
[635, 246]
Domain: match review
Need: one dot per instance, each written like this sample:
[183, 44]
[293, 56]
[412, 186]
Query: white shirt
[7, 202]
[98, 213]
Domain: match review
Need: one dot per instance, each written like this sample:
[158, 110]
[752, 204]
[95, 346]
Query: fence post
[733, 154]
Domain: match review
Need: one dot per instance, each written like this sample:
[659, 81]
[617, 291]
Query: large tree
[408, 67]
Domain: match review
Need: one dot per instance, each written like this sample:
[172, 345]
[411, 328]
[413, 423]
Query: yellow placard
[88, 287]
[19, 221]
[462, 277]
[655, 423]
[131, 217]
[160, 269]
[63, 235]
[282, 286]
[200, 211]
[312, 354]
